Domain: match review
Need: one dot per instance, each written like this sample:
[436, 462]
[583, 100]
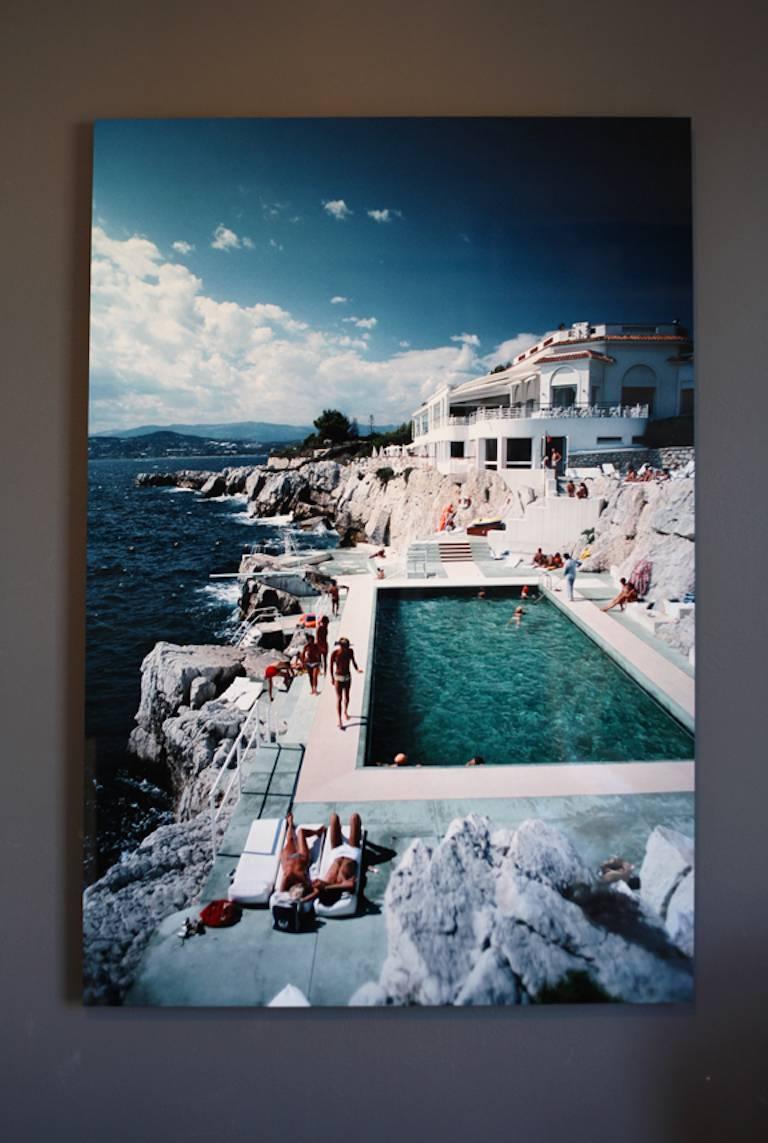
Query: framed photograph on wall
[391, 563]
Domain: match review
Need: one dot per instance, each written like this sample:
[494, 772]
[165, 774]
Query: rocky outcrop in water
[120, 911]
[515, 917]
[181, 720]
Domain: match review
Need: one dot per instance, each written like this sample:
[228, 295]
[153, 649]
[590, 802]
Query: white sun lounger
[242, 692]
[259, 863]
[346, 906]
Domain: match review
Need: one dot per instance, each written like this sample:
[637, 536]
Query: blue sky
[264, 269]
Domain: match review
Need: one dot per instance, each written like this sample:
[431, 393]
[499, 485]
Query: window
[609, 440]
[686, 402]
[491, 452]
[519, 452]
[457, 449]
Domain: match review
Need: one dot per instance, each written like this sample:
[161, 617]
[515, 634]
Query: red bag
[220, 914]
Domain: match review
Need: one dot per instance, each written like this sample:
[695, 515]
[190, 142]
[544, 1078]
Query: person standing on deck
[333, 591]
[312, 658]
[342, 662]
[322, 641]
[569, 575]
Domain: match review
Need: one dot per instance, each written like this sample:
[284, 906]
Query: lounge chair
[259, 863]
[347, 904]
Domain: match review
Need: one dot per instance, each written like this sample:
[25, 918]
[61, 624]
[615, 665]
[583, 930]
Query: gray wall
[597, 1073]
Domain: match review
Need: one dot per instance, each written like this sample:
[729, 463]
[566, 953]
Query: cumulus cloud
[337, 209]
[248, 243]
[338, 299]
[509, 349]
[362, 323]
[183, 247]
[275, 244]
[225, 239]
[384, 215]
[404, 344]
[163, 351]
[466, 338]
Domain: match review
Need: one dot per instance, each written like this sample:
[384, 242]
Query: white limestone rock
[122, 909]
[669, 857]
[679, 919]
[201, 690]
[489, 918]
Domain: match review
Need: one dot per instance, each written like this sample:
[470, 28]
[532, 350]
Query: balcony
[512, 413]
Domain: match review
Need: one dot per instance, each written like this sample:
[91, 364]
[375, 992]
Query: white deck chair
[259, 862]
[347, 904]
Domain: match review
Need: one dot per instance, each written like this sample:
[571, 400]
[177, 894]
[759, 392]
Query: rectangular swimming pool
[455, 676]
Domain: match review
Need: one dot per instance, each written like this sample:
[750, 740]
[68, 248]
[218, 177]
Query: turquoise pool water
[453, 678]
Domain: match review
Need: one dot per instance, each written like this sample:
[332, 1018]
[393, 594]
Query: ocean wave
[172, 491]
[221, 592]
[228, 496]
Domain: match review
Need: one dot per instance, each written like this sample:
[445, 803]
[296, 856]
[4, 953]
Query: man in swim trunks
[342, 661]
[312, 658]
[333, 591]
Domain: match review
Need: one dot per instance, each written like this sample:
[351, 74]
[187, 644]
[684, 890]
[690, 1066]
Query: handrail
[261, 615]
[254, 728]
[518, 413]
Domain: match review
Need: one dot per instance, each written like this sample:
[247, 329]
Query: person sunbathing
[582, 492]
[631, 474]
[341, 875]
[570, 488]
[295, 861]
[555, 562]
[628, 594]
[539, 559]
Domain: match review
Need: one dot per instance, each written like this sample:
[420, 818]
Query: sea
[151, 555]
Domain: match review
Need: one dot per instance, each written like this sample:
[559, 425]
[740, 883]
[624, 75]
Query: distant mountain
[263, 431]
[167, 443]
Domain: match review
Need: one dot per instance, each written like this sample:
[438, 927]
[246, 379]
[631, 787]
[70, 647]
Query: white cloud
[183, 247]
[508, 350]
[466, 338]
[275, 244]
[384, 215]
[338, 300]
[225, 239]
[337, 209]
[404, 344]
[163, 351]
[248, 243]
[362, 323]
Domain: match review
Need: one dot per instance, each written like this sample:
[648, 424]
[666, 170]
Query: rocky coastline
[182, 723]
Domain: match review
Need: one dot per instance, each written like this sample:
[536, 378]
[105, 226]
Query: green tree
[332, 426]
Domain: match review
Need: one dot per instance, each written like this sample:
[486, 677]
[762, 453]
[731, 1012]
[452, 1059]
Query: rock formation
[121, 910]
[515, 917]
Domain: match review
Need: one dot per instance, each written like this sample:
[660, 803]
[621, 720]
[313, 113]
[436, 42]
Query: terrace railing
[527, 412]
[257, 731]
[250, 625]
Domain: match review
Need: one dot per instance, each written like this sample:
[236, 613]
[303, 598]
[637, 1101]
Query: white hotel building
[583, 389]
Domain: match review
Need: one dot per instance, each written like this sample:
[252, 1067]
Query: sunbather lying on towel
[295, 859]
[341, 875]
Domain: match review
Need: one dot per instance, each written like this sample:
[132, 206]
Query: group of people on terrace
[646, 473]
[580, 493]
[313, 658]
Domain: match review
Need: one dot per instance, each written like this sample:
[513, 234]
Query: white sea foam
[171, 491]
[222, 591]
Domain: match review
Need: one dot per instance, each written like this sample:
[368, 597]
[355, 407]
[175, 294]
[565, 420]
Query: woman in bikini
[295, 860]
[342, 661]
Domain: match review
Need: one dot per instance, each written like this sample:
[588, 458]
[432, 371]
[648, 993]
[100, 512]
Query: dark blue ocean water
[150, 553]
